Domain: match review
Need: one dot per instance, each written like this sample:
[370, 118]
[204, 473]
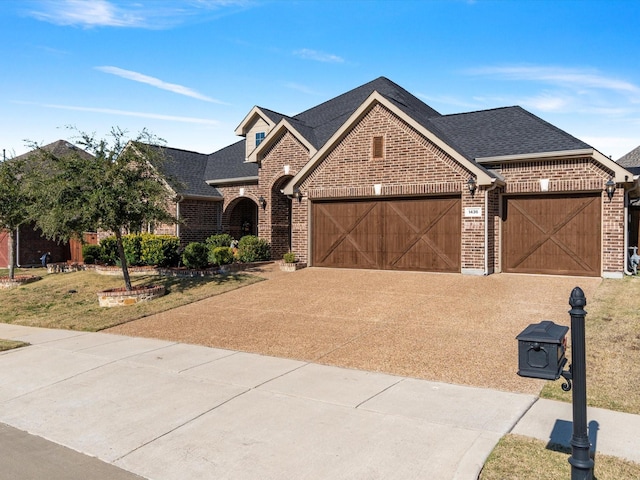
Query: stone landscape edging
[6, 282]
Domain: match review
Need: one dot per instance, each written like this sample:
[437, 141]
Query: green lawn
[69, 300]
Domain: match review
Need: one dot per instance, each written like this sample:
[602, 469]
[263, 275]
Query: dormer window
[259, 138]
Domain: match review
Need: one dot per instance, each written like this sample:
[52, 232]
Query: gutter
[231, 181]
[486, 227]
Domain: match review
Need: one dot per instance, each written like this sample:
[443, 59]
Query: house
[631, 161]
[376, 179]
[30, 244]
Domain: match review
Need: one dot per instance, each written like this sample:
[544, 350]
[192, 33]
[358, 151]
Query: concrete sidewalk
[165, 410]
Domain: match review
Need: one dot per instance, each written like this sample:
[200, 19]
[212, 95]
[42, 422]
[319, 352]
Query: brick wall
[201, 219]
[410, 166]
[281, 220]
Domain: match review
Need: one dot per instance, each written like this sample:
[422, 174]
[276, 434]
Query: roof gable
[484, 177]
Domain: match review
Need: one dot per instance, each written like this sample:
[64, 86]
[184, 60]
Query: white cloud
[576, 79]
[318, 56]
[126, 113]
[152, 14]
[156, 82]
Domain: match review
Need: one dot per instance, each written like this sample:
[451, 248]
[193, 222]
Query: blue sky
[189, 71]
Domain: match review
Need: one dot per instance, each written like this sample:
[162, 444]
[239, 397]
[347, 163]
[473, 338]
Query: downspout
[486, 227]
[626, 227]
[178, 200]
[17, 247]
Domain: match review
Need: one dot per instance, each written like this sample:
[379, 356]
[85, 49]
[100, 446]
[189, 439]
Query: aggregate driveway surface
[445, 327]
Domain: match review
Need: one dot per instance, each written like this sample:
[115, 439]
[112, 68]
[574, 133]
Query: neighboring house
[375, 178]
[31, 245]
[631, 161]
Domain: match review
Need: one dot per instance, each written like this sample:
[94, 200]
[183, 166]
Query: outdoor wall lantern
[297, 194]
[262, 202]
[610, 188]
[541, 354]
[472, 185]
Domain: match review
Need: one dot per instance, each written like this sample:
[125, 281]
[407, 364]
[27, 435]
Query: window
[378, 147]
[259, 138]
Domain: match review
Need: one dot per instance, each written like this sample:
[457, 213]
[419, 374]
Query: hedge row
[164, 250]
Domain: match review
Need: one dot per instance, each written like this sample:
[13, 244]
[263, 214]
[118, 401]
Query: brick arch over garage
[240, 218]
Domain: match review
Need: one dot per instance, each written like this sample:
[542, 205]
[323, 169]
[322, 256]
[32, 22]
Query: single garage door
[555, 234]
[388, 234]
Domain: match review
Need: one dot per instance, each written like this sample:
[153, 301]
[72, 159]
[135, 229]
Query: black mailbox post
[541, 354]
[541, 350]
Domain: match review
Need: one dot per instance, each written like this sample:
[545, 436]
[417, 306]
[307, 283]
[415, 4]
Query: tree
[13, 204]
[120, 187]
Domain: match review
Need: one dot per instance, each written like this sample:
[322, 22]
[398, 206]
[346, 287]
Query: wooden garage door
[398, 234]
[553, 234]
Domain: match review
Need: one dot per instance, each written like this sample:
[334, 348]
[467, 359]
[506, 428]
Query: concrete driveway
[444, 327]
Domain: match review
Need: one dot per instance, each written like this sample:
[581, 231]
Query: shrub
[142, 249]
[221, 256]
[220, 240]
[253, 249]
[109, 251]
[289, 257]
[196, 255]
[160, 250]
[132, 244]
[91, 253]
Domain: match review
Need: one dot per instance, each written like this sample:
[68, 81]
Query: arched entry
[242, 218]
[280, 219]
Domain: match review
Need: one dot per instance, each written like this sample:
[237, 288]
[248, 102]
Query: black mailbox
[541, 350]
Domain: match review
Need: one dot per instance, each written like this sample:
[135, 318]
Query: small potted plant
[288, 263]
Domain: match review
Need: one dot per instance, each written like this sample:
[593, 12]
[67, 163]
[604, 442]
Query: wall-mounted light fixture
[472, 186]
[297, 194]
[262, 202]
[610, 188]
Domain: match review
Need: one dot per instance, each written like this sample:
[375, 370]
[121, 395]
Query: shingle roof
[59, 148]
[229, 163]
[486, 133]
[631, 159]
[504, 131]
[185, 172]
[325, 119]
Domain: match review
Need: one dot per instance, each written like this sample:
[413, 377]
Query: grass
[11, 344]
[69, 300]
[522, 458]
[612, 328]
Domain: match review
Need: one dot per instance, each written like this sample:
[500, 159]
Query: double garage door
[548, 234]
[554, 234]
[388, 234]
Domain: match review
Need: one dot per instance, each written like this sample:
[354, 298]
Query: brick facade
[280, 223]
[200, 219]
